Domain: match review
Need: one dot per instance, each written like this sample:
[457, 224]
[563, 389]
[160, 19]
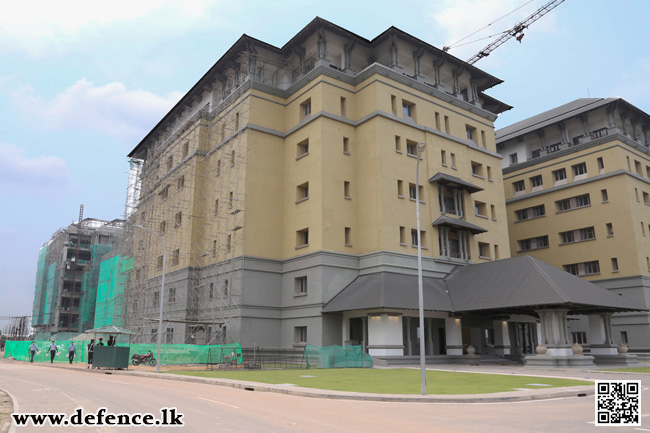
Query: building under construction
[67, 274]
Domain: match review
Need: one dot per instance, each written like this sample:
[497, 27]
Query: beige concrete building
[577, 183]
[287, 176]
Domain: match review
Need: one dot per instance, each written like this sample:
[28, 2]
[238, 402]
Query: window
[161, 227]
[480, 208]
[636, 194]
[302, 192]
[483, 141]
[300, 286]
[519, 186]
[170, 162]
[489, 173]
[393, 104]
[214, 248]
[437, 119]
[414, 238]
[402, 237]
[572, 269]
[232, 158]
[531, 212]
[300, 335]
[493, 212]
[169, 336]
[164, 193]
[305, 109]
[154, 335]
[398, 144]
[477, 169]
[484, 250]
[346, 190]
[614, 264]
[554, 148]
[443, 158]
[186, 149]
[583, 200]
[228, 242]
[400, 189]
[447, 126]
[579, 169]
[610, 229]
[176, 256]
[536, 181]
[624, 337]
[303, 149]
[231, 201]
[453, 160]
[470, 131]
[533, 243]
[585, 268]
[180, 182]
[592, 268]
[408, 109]
[156, 299]
[601, 165]
[226, 288]
[346, 145]
[646, 198]
[178, 219]
[342, 106]
[579, 337]
[348, 237]
[587, 234]
[218, 167]
[159, 262]
[171, 297]
[603, 192]
[412, 193]
[211, 292]
[573, 203]
[559, 175]
[142, 217]
[411, 148]
[302, 238]
[496, 252]
[216, 207]
[513, 158]
[140, 245]
[536, 153]
[579, 235]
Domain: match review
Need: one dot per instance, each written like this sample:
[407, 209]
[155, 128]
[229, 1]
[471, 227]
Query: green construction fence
[337, 357]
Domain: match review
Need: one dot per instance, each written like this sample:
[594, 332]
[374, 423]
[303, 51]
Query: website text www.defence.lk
[168, 417]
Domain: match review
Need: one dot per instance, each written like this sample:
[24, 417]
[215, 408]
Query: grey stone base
[385, 361]
[545, 361]
[642, 356]
[617, 360]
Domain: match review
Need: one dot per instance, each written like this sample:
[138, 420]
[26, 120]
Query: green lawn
[391, 381]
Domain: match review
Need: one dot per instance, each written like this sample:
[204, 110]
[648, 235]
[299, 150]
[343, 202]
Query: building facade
[285, 173]
[67, 276]
[577, 187]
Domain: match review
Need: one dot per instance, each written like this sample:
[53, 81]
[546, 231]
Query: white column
[454, 336]
[598, 336]
[345, 328]
[554, 331]
[501, 337]
[385, 335]
[429, 327]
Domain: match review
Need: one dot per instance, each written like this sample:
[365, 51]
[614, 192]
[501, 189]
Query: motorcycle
[143, 359]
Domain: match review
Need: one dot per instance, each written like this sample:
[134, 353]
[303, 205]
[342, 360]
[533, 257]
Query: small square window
[408, 109]
[513, 158]
[303, 149]
[302, 238]
[559, 175]
[519, 186]
[302, 192]
[536, 181]
[411, 148]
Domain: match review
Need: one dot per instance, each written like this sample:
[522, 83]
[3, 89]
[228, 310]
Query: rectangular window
[302, 192]
[493, 212]
[171, 298]
[346, 190]
[398, 144]
[170, 162]
[447, 126]
[483, 141]
[554, 148]
[226, 288]
[414, 238]
[536, 181]
[237, 121]
[216, 207]
[300, 286]
[159, 262]
[154, 335]
[480, 208]
[567, 237]
[470, 132]
[302, 238]
[408, 109]
[169, 336]
[601, 164]
[412, 193]
[603, 192]
[402, 236]
[572, 269]
[342, 106]
[228, 242]
[624, 337]
[142, 217]
[579, 337]
[156, 299]
[484, 250]
[180, 182]
[592, 268]
[305, 109]
[513, 158]
[346, 145]
[453, 160]
[300, 335]
[489, 172]
[214, 248]
[400, 189]
[232, 158]
[178, 219]
[579, 169]
[211, 292]
[231, 200]
[186, 149]
[176, 257]
[411, 148]
[614, 264]
[393, 104]
[218, 167]
[536, 153]
[646, 198]
[477, 169]
[519, 186]
[559, 175]
[437, 119]
[583, 200]
[161, 227]
[348, 237]
[443, 158]
[533, 243]
[302, 149]
[610, 229]
[164, 193]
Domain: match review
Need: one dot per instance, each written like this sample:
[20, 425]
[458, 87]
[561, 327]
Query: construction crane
[516, 32]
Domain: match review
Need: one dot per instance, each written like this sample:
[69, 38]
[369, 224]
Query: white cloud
[41, 174]
[110, 109]
[460, 18]
[40, 26]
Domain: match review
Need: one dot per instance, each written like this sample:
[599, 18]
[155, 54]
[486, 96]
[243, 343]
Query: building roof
[458, 223]
[454, 182]
[552, 116]
[517, 285]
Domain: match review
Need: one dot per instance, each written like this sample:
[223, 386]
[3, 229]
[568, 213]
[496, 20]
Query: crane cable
[448, 47]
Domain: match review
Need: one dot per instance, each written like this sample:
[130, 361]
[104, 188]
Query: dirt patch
[6, 408]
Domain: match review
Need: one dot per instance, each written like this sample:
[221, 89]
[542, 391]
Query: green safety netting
[89, 283]
[39, 290]
[114, 275]
[337, 357]
[170, 353]
[50, 294]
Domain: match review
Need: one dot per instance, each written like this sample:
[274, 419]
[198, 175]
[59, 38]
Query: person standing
[91, 348]
[32, 351]
[52, 352]
[71, 352]
[111, 341]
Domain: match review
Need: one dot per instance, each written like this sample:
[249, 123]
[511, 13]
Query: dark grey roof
[520, 284]
[551, 116]
[390, 290]
[454, 182]
[458, 223]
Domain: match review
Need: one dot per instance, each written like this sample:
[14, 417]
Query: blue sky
[81, 82]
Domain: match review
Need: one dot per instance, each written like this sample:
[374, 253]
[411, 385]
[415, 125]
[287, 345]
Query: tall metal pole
[423, 370]
[162, 293]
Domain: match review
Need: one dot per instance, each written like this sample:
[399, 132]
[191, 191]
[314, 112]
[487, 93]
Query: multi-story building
[67, 275]
[577, 184]
[287, 176]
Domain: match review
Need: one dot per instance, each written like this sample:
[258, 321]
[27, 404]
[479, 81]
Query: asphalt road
[210, 408]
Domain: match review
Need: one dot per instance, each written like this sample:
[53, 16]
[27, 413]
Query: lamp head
[421, 147]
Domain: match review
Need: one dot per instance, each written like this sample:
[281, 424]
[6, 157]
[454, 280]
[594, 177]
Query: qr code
[618, 402]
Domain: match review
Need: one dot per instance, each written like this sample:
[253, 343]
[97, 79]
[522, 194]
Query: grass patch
[391, 381]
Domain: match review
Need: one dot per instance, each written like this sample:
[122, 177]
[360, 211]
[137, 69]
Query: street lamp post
[162, 292]
[423, 376]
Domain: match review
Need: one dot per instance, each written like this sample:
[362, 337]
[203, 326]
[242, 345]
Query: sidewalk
[519, 395]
